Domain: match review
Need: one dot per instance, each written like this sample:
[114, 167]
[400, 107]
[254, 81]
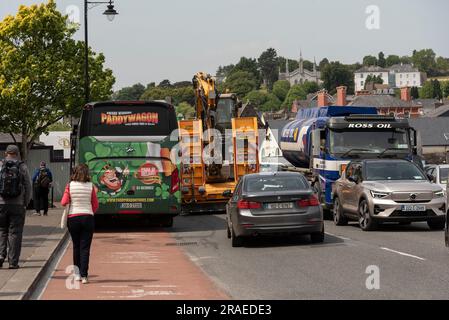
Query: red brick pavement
[138, 265]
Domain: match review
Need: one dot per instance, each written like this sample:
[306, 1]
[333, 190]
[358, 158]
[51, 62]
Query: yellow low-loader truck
[217, 148]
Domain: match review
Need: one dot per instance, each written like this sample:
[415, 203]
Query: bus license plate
[281, 205]
[131, 206]
[415, 208]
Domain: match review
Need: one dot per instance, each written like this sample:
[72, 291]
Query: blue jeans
[81, 230]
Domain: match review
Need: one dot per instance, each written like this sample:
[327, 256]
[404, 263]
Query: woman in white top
[81, 195]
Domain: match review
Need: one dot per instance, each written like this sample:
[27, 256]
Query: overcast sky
[152, 40]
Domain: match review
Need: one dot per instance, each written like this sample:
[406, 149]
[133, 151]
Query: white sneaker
[84, 280]
[77, 277]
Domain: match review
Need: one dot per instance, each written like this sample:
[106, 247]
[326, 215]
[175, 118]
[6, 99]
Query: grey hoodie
[25, 197]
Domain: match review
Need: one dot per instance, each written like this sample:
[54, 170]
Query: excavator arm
[206, 98]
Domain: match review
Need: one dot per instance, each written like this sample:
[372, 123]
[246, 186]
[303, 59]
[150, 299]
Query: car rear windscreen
[275, 183]
[140, 120]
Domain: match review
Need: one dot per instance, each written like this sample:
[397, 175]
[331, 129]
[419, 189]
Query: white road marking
[340, 237]
[403, 254]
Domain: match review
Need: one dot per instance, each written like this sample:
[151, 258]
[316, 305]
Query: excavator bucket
[245, 137]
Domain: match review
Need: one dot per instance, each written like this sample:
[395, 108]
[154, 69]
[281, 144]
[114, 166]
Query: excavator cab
[227, 108]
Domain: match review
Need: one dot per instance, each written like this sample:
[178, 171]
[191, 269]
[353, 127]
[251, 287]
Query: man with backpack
[42, 180]
[15, 194]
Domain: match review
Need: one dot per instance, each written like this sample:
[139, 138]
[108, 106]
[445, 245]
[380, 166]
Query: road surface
[195, 260]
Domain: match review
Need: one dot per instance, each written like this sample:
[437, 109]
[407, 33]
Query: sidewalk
[42, 236]
[134, 265]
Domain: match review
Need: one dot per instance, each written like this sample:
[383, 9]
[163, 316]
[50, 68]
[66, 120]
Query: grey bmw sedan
[273, 203]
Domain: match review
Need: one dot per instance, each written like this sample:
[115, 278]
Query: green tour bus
[127, 146]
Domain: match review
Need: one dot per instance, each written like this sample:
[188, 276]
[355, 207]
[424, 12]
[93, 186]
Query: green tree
[310, 87]
[264, 100]
[431, 89]
[296, 92]
[155, 93]
[60, 126]
[336, 74]
[323, 63]
[165, 84]
[185, 110]
[381, 62]
[445, 89]
[272, 104]
[373, 79]
[369, 61]
[241, 83]
[182, 84]
[406, 60]
[41, 72]
[130, 93]
[442, 65]
[414, 92]
[292, 64]
[281, 88]
[392, 60]
[256, 97]
[437, 92]
[249, 65]
[268, 64]
[425, 61]
[308, 65]
[223, 71]
[182, 94]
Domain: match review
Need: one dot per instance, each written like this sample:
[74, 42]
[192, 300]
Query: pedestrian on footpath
[80, 194]
[42, 180]
[15, 194]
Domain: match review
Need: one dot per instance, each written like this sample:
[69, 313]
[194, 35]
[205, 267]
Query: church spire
[301, 62]
[287, 70]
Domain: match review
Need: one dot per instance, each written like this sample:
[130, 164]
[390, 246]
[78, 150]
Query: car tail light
[311, 201]
[242, 204]
[174, 181]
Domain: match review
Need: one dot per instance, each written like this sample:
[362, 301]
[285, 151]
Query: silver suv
[375, 191]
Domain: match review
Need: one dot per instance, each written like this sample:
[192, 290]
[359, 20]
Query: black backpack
[11, 180]
[43, 180]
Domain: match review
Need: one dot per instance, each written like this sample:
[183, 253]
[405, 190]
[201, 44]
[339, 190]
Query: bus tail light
[174, 181]
[130, 212]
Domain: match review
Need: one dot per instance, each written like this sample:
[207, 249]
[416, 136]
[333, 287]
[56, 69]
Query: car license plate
[280, 205]
[413, 207]
[131, 206]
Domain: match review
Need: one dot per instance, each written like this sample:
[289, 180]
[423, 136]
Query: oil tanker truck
[322, 141]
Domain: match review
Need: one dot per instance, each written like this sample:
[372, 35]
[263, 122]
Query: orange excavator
[218, 147]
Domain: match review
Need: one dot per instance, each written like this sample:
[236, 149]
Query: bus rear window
[131, 121]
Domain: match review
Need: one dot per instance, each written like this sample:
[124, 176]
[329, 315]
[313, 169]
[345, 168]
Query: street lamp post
[110, 13]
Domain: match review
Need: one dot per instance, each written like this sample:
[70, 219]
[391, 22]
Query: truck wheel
[366, 222]
[339, 218]
[327, 214]
[436, 225]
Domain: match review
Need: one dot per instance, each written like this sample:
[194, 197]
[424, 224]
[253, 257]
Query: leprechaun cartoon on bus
[112, 179]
